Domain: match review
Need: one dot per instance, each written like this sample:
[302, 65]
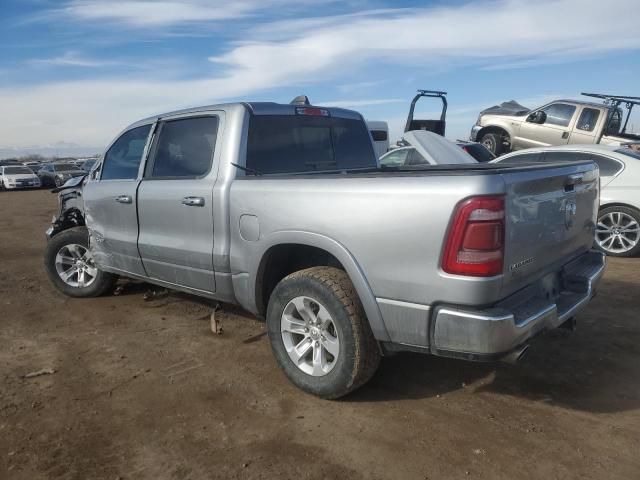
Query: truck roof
[582, 102]
[256, 108]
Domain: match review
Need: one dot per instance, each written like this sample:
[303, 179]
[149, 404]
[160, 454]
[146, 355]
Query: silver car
[618, 228]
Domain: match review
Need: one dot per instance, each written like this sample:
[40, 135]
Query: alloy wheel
[310, 336]
[617, 232]
[75, 266]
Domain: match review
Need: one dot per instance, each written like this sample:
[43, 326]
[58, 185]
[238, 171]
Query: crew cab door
[110, 203]
[175, 202]
[555, 130]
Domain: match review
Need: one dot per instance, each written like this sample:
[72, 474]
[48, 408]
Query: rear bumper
[492, 333]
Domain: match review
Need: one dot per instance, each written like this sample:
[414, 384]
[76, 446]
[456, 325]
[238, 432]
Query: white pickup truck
[511, 126]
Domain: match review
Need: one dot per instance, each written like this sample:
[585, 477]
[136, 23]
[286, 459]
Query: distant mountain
[59, 149]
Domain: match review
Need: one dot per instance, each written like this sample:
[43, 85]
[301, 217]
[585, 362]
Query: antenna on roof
[300, 100]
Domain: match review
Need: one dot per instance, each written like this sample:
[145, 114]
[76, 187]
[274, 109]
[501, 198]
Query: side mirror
[538, 117]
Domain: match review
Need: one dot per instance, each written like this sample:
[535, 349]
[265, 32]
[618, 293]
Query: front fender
[245, 285]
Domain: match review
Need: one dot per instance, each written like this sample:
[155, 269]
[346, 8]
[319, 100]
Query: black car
[56, 174]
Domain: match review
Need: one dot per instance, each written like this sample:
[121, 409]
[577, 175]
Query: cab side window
[588, 119]
[559, 114]
[122, 160]
[185, 148]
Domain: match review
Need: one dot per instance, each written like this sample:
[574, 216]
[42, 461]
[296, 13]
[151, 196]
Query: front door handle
[565, 134]
[193, 201]
[124, 199]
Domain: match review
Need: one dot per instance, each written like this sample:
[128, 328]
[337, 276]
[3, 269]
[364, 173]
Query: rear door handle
[124, 199]
[565, 134]
[193, 201]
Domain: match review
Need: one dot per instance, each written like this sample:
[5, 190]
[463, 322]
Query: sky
[74, 73]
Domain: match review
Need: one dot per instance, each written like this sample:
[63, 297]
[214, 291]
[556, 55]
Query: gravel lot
[143, 389]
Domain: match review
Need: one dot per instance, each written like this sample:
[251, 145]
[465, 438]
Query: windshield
[65, 168]
[17, 171]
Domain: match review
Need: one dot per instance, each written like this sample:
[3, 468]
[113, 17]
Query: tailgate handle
[572, 180]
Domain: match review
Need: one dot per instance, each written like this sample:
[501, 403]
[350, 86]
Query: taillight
[475, 243]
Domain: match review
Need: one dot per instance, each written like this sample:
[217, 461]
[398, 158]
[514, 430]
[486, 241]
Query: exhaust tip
[516, 355]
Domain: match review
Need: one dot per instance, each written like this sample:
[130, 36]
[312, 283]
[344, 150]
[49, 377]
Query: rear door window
[588, 119]
[185, 148]
[299, 144]
[122, 160]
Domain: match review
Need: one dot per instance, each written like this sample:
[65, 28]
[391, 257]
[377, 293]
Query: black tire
[103, 281]
[628, 214]
[359, 355]
[493, 143]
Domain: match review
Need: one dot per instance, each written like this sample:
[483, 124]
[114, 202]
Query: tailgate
[550, 219]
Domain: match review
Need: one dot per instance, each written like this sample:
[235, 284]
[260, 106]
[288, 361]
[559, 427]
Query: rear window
[523, 158]
[379, 135]
[65, 168]
[17, 170]
[298, 144]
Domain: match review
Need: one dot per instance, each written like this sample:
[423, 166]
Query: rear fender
[340, 252]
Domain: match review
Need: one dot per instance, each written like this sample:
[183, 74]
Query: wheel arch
[618, 204]
[286, 252]
[493, 129]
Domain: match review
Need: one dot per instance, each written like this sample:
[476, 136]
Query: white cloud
[72, 59]
[149, 13]
[89, 112]
[360, 103]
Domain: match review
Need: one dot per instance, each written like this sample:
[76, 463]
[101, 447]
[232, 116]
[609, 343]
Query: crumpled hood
[436, 149]
[509, 109]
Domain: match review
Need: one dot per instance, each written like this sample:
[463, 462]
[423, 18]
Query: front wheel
[618, 231]
[493, 143]
[70, 265]
[319, 333]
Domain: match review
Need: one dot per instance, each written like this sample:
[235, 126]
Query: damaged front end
[71, 207]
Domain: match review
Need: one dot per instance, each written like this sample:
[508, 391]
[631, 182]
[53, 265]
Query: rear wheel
[493, 143]
[319, 333]
[71, 268]
[618, 231]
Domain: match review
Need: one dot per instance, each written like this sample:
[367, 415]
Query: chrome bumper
[494, 332]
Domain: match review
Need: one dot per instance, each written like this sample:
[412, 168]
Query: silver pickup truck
[284, 210]
[511, 126]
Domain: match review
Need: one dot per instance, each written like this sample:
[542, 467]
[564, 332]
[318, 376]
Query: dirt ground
[143, 389]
